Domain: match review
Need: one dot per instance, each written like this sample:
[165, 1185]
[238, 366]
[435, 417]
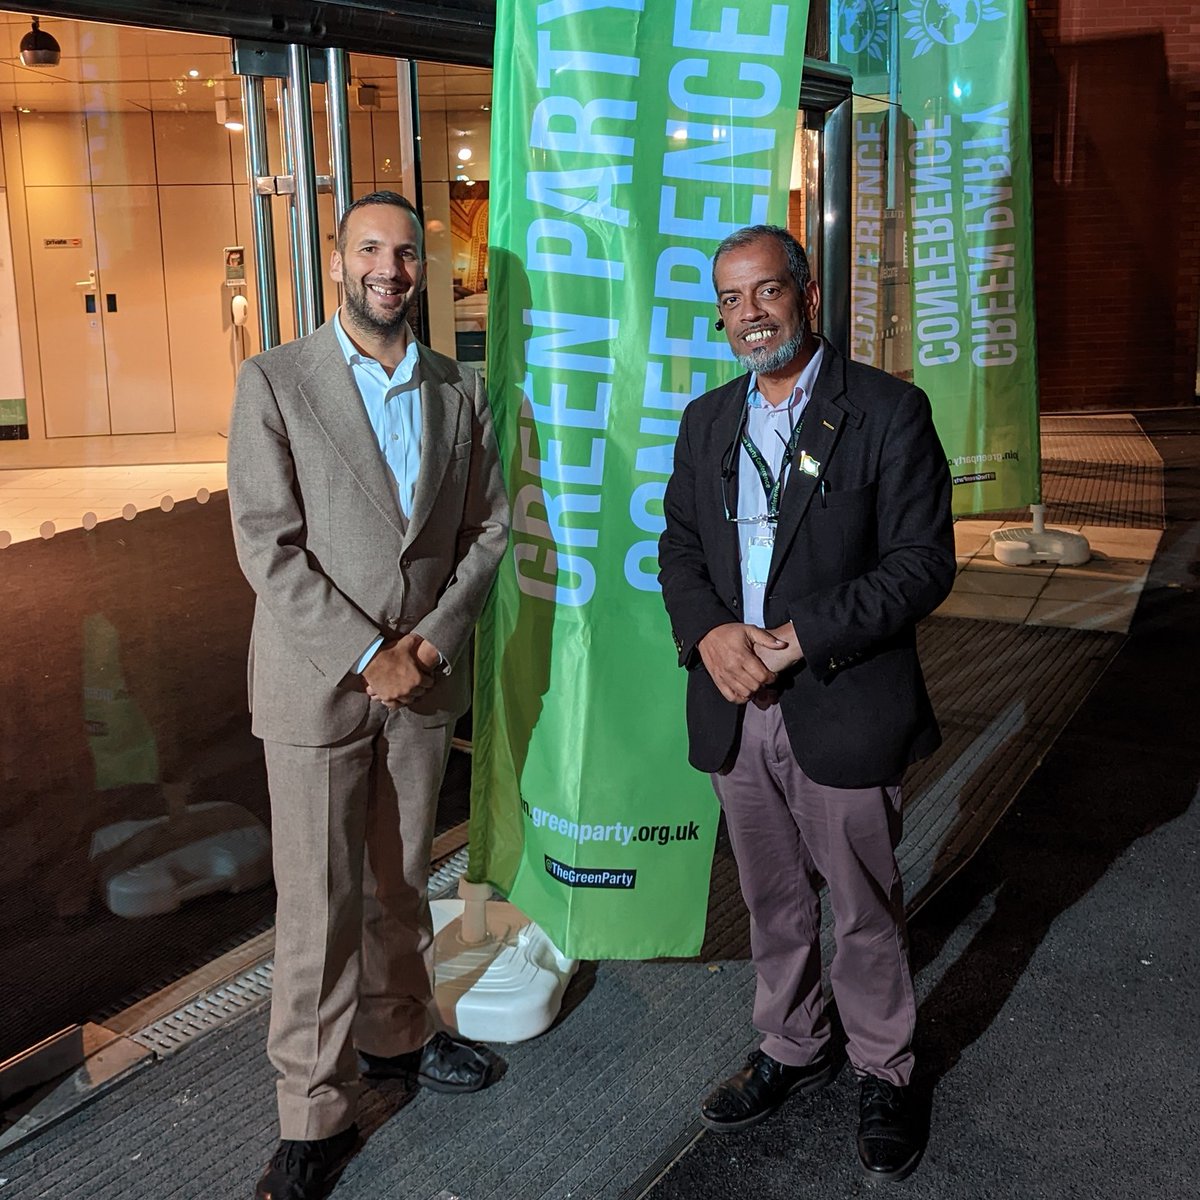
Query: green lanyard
[771, 486]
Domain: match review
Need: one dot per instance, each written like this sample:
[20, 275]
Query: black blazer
[856, 564]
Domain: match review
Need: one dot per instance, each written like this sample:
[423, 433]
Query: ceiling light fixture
[39, 49]
[193, 74]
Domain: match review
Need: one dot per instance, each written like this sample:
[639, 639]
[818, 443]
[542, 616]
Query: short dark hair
[797, 260]
[393, 198]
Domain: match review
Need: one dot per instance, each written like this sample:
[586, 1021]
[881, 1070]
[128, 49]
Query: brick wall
[1115, 115]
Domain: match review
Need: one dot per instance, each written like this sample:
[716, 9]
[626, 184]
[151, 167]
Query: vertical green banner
[628, 138]
[964, 79]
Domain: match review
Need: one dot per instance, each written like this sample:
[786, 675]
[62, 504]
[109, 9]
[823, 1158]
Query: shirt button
[395, 437]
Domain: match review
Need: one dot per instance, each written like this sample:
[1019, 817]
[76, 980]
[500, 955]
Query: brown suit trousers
[353, 938]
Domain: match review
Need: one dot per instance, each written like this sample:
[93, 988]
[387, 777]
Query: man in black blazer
[808, 529]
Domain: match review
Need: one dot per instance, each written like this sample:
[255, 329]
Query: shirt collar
[355, 357]
[801, 392]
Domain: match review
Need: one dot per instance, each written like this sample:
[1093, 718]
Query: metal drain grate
[170, 1034]
[252, 987]
[446, 877]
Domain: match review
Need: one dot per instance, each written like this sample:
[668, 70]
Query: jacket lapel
[823, 421]
[728, 456]
[328, 388]
[439, 425]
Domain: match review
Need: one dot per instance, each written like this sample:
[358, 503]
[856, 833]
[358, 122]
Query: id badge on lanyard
[758, 554]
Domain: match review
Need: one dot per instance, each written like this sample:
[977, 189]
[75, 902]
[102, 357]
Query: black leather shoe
[760, 1087]
[889, 1135]
[444, 1064]
[304, 1170]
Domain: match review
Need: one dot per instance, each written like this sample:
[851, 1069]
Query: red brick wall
[1115, 115]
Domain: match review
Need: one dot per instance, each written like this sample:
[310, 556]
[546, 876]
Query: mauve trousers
[788, 834]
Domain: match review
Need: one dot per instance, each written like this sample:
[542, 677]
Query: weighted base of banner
[1023, 546]
[497, 976]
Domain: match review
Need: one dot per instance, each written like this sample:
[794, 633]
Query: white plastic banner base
[497, 976]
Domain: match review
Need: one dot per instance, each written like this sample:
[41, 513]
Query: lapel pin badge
[828, 426]
[808, 464]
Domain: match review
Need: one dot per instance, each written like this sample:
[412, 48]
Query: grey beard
[764, 361]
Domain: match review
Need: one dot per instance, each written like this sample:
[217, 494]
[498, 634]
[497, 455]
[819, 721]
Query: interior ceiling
[117, 68]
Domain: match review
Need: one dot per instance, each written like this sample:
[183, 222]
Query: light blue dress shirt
[393, 406]
[769, 429]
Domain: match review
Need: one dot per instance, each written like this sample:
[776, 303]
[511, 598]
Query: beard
[765, 360]
[358, 308]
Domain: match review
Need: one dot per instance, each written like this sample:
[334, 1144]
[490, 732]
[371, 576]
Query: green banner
[964, 79]
[628, 139]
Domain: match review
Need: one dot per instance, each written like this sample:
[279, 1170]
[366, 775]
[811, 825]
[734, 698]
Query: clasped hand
[743, 659]
[402, 670]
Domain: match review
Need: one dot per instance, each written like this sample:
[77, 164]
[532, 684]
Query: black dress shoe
[304, 1170]
[444, 1064]
[760, 1087]
[889, 1135]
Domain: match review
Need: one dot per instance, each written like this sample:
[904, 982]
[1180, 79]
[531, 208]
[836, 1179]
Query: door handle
[89, 282]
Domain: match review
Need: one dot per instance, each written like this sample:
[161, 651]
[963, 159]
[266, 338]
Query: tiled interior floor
[1101, 594]
[42, 502]
[50, 486]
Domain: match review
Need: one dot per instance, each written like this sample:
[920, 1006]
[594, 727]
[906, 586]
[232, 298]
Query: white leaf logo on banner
[863, 28]
[947, 22]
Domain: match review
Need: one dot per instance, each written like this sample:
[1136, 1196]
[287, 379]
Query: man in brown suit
[369, 516]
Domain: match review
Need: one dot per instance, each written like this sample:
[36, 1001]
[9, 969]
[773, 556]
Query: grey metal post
[337, 110]
[254, 108]
[893, 121]
[287, 158]
[835, 232]
[306, 252]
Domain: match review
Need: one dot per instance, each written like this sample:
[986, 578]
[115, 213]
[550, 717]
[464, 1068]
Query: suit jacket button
[406, 561]
[735, 602]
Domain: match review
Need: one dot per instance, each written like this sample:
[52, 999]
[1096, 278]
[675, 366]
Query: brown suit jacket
[321, 538]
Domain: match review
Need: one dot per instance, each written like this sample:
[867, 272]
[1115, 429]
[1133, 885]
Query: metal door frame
[825, 90]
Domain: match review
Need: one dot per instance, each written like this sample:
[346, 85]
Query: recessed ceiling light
[193, 74]
[464, 154]
[23, 108]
